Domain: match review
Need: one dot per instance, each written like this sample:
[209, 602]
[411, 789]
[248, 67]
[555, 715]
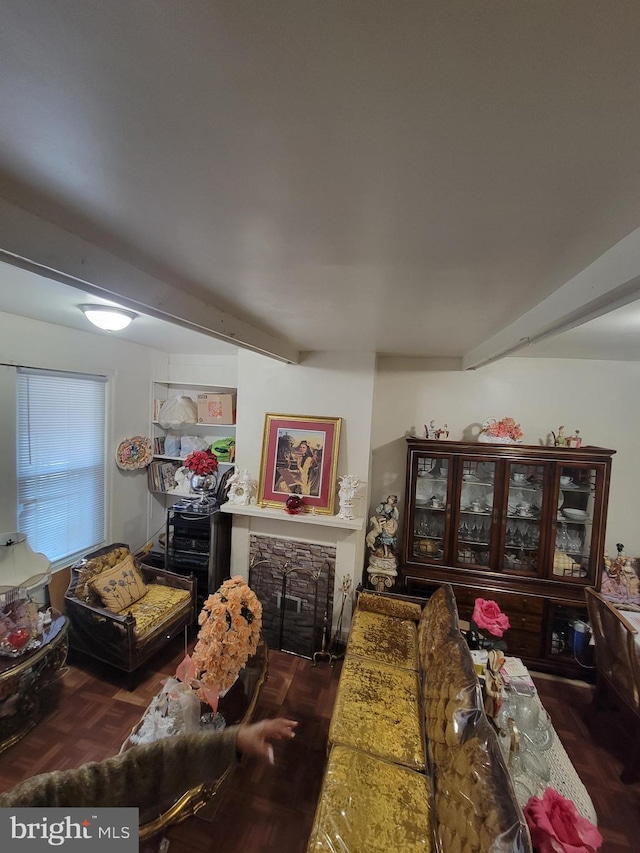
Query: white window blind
[61, 461]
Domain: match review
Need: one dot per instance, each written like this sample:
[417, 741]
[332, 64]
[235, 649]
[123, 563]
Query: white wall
[130, 369]
[600, 398]
[324, 384]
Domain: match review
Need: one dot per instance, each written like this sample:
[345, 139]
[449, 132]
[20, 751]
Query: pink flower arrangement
[506, 428]
[230, 623]
[487, 616]
[556, 826]
[202, 462]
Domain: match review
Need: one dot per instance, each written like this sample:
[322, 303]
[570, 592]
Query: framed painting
[299, 457]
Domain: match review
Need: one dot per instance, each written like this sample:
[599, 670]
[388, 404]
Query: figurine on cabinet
[562, 440]
[436, 433]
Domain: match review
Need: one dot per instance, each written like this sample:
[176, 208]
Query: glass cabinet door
[475, 535]
[523, 544]
[573, 545]
[431, 508]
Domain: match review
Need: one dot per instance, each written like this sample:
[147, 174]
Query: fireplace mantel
[301, 518]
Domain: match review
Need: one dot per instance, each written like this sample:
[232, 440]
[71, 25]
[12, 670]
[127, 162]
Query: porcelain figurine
[242, 488]
[348, 486]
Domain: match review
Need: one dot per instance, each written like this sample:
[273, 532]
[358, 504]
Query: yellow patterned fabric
[377, 710]
[384, 638]
[154, 607]
[93, 567]
[120, 586]
[389, 606]
[371, 806]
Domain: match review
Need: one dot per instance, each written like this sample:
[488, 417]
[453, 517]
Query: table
[237, 706]
[23, 678]
[564, 777]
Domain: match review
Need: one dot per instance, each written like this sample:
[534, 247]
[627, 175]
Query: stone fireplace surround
[294, 582]
[345, 536]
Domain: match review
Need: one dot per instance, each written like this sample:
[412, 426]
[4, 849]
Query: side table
[23, 678]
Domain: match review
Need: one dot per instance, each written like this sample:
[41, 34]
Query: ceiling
[406, 178]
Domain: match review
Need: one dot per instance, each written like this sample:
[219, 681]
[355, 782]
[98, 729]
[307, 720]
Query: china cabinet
[521, 525]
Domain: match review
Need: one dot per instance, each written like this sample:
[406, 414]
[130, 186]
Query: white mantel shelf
[301, 518]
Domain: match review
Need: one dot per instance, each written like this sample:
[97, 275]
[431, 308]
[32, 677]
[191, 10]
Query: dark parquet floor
[267, 809]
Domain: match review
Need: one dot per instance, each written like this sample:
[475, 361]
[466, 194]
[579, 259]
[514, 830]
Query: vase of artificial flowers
[204, 466]
[230, 623]
[506, 431]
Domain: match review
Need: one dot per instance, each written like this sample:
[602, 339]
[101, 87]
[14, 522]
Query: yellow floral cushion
[93, 567]
[384, 638]
[371, 806]
[152, 610]
[389, 606]
[120, 586]
[377, 710]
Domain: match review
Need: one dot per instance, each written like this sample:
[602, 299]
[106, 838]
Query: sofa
[413, 762]
[121, 611]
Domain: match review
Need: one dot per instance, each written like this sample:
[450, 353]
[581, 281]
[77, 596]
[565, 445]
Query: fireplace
[294, 581]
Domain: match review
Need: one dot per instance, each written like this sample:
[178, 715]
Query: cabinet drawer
[526, 622]
[509, 602]
[523, 643]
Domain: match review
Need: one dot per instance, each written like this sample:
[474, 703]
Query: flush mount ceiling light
[108, 317]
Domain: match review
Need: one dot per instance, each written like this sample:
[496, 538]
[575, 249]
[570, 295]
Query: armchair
[618, 667]
[128, 638]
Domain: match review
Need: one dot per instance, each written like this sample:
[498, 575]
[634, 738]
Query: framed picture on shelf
[299, 457]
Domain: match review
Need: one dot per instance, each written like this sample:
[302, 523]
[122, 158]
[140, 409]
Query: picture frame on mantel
[299, 457]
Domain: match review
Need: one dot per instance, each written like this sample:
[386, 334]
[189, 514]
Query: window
[61, 461]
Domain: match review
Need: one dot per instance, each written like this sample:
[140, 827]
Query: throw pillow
[120, 586]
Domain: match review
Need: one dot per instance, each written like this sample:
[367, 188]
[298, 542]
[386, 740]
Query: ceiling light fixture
[108, 317]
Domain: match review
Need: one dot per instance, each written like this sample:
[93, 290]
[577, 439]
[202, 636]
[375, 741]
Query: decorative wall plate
[134, 453]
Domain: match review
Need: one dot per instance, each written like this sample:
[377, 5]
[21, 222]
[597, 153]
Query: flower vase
[202, 484]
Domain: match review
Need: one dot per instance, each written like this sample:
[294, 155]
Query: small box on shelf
[216, 408]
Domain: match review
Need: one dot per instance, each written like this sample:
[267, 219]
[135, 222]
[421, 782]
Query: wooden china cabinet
[521, 525]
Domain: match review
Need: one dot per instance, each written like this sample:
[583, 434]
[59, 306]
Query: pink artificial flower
[488, 616]
[556, 826]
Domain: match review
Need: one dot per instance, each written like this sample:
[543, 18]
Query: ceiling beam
[33, 243]
[611, 281]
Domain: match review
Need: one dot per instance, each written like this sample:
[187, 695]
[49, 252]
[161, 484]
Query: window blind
[61, 461]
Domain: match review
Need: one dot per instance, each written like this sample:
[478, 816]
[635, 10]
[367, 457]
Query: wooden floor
[268, 809]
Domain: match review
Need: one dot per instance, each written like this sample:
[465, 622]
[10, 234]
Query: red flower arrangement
[488, 619]
[557, 827]
[487, 616]
[202, 462]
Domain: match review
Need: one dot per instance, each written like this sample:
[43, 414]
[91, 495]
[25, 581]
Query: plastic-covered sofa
[129, 638]
[414, 763]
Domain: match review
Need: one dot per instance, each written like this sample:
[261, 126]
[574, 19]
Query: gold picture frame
[300, 456]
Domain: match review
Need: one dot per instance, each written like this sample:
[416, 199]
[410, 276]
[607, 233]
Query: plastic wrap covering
[377, 710]
[384, 638]
[371, 806]
[474, 798]
[451, 695]
[438, 621]
[389, 606]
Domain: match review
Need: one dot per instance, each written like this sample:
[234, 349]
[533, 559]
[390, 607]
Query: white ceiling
[29, 295]
[406, 178]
